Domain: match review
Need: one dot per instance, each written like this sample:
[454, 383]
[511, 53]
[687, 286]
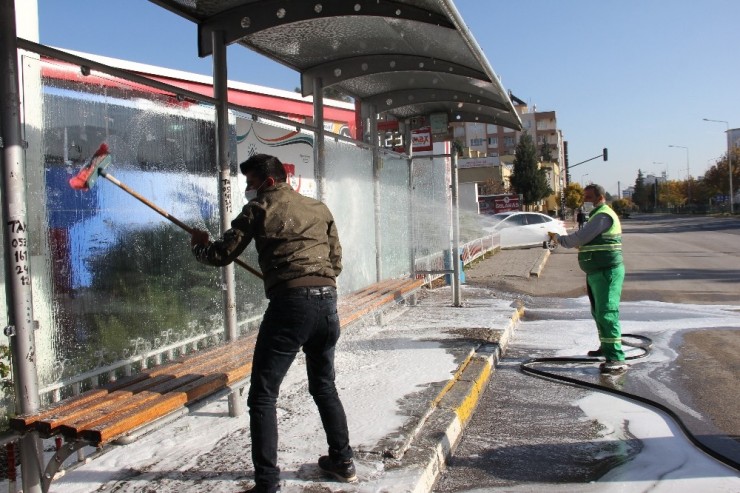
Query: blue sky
[634, 76]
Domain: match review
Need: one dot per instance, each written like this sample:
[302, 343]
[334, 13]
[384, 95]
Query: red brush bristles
[87, 175]
[103, 149]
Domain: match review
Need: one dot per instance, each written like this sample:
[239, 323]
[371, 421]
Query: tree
[573, 195]
[672, 193]
[622, 207]
[641, 194]
[528, 179]
[717, 178]
[546, 151]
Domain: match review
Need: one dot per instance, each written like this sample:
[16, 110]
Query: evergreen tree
[527, 179]
[641, 194]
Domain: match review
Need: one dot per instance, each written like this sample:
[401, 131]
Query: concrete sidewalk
[409, 387]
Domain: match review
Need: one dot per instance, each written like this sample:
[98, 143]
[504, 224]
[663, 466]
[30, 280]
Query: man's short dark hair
[598, 190]
[264, 166]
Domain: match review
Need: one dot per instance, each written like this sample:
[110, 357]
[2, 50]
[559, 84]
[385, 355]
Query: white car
[524, 229]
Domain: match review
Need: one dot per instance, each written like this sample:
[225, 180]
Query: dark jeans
[296, 317]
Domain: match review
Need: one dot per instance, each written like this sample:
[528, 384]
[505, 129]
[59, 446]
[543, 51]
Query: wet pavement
[534, 434]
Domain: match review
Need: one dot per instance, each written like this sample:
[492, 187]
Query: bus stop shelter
[402, 59]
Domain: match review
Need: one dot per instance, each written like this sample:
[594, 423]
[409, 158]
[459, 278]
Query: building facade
[488, 150]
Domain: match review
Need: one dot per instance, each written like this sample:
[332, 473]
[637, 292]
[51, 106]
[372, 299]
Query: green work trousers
[604, 292]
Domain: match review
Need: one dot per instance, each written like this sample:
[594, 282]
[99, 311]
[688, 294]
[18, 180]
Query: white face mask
[252, 194]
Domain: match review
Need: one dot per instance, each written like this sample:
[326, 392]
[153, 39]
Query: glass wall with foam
[349, 195]
[395, 215]
[115, 285]
[431, 213]
[114, 281]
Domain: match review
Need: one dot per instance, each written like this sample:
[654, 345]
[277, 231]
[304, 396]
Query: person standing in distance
[580, 218]
[300, 257]
[599, 245]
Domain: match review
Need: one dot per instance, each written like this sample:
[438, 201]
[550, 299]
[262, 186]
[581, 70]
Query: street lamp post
[729, 158]
[688, 172]
[655, 183]
[583, 181]
[655, 194]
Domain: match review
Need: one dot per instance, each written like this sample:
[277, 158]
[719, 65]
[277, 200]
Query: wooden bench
[104, 414]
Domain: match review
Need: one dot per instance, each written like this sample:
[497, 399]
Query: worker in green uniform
[599, 245]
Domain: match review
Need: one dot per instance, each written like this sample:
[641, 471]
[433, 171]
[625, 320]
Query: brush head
[85, 179]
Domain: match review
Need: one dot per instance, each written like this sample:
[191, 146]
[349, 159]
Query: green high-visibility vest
[605, 250]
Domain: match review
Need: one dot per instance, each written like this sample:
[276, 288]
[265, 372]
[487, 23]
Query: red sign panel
[421, 139]
[493, 204]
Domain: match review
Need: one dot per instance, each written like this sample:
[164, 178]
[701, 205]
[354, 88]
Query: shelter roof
[408, 57]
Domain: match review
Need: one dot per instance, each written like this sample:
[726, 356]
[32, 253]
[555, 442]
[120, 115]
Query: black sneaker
[596, 353]
[613, 367]
[259, 489]
[342, 470]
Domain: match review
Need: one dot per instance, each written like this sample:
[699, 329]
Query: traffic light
[605, 155]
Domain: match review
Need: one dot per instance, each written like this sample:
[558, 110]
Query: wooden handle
[167, 215]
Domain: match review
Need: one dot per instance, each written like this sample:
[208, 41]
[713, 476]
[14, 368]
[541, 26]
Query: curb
[438, 437]
[539, 264]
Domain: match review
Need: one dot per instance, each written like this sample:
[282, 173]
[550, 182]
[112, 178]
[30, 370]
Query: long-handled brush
[88, 175]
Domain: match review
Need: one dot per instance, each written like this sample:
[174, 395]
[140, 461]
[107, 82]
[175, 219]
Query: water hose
[528, 367]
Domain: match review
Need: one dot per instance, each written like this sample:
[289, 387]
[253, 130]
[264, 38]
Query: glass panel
[395, 203]
[349, 196]
[120, 278]
[430, 212]
[115, 285]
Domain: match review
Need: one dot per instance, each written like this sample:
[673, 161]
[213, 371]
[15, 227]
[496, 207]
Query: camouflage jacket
[295, 237]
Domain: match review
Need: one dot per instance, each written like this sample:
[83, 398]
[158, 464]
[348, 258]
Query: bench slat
[162, 405]
[104, 414]
[23, 422]
[370, 301]
[49, 424]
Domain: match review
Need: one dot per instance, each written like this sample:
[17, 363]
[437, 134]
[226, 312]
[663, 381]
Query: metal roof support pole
[228, 282]
[412, 200]
[455, 233]
[18, 290]
[319, 145]
[372, 139]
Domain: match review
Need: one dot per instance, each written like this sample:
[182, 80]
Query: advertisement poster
[421, 139]
[293, 148]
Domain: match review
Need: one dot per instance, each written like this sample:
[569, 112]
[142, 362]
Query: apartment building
[488, 150]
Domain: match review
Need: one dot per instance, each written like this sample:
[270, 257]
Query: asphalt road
[522, 433]
[675, 259]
